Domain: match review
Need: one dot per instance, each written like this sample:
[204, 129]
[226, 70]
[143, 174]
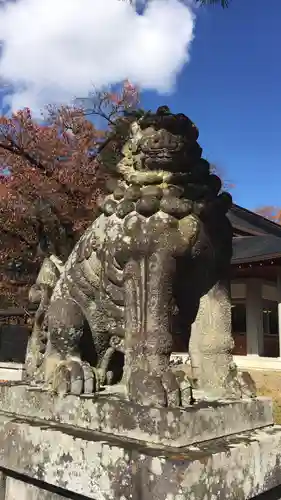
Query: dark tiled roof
[252, 223]
[253, 248]
[245, 226]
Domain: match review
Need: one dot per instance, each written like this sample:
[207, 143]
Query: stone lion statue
[153, 267]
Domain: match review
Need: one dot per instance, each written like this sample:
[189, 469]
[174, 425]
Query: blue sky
[231, 89]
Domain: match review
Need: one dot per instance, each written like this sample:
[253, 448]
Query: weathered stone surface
[19, 490]
[90, 467]
[83, 462]
[175, 427]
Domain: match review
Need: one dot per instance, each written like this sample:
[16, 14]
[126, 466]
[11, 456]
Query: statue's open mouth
[163, 159]
[161, 152]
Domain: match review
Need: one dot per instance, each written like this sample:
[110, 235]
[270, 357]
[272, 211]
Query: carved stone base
[111, 414]
[45, 459]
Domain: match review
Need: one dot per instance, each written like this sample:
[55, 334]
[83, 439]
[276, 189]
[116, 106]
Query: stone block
[83, 462]
[113, 415]
[101, 449]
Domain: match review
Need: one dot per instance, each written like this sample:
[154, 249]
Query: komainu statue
[155, 262]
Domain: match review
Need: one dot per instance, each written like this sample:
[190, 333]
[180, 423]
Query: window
[270, 317]
[238, 316]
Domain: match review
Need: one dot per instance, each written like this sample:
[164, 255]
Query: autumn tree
[270, 212]
[51, 177]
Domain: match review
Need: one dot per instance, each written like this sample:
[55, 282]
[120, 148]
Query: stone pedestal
[107, 449]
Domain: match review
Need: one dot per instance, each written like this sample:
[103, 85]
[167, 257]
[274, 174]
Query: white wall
[238, 290]
[269, 291]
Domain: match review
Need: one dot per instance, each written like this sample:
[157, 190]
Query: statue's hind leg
[211, 345]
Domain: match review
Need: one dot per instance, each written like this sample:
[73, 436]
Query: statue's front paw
[157, 390]
[72, 376]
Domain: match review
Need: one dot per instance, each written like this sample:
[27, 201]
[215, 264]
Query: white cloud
[55, 50]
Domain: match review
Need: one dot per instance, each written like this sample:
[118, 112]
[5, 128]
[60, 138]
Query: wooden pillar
[254, 320]
[279, 309]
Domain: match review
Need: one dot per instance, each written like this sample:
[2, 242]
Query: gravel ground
[269, 384]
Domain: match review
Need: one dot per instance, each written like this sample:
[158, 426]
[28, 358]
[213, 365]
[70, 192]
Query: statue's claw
[163, 390]
[73, 376]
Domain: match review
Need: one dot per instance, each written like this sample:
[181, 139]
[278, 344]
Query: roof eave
[261, 258]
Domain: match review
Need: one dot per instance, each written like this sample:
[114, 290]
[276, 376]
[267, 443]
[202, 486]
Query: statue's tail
[40, 293]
